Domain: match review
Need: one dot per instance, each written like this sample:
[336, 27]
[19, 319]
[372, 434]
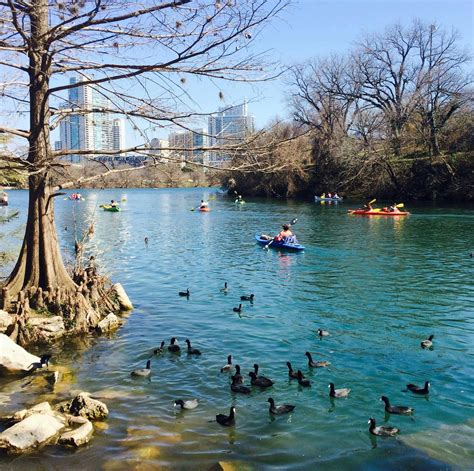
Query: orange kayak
[364, 212]
[204, 209]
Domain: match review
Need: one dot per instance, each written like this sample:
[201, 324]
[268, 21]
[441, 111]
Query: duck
[237, 387]
[172, 347]
[238, 377]
[143, 372]
[238, 309]
[382, 431]
[260, 381]
[191, 350]
[400, 410]
[185, 293]
[247, 298]
[229, 366]
[427, 343]
[225, 289]
[226, 420]
[343, 392]
[316, 364]
[281, 409]
[292, 374]
[44, 359]
[188, 405]
[160, 349]
[418, 390]
[305, 383]
[323, 333]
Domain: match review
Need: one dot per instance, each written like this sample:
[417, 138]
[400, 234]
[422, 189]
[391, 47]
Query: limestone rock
[15, 359]
[122, 298]
[6, 320]
[40, 408]
[34, 431]
[50, 327]
[79, 436]
[85, 406]
[109, 322]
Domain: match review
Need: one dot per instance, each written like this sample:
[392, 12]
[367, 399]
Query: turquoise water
[379, 285]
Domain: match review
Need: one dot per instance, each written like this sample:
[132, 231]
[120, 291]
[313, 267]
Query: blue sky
[311, 28]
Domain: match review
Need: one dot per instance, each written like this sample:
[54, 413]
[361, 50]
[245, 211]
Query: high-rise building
[159, 147]
[229, 126]
[93, 127]
[189, 145]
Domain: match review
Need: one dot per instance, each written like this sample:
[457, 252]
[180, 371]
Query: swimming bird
[143, 372]
[255, 369]
[188, 405]
[281, 409]
[192, 351]
[292, 374]
[400, 410]
[172, 347]
[343, 392]
[238, 309]
[306, 383]
[237, 387]
[226, 420]
[261, 381]
[225, 289]
[44, 359]
[382, 431]
[427, 343]
[146, 240]
[160, 349]
[185, 293]
[316, 364]
[418, 390]
[247, 298]
[323, 333]
[229, 366]
[238, 377]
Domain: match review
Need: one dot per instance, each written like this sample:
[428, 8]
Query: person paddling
[285, 233]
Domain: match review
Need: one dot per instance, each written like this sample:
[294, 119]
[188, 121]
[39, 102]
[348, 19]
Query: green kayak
[112, 209]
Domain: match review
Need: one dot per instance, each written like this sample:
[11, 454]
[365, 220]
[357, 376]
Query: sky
[314, 28]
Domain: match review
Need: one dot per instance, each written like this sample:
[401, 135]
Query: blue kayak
[280, 245]
[319, 198]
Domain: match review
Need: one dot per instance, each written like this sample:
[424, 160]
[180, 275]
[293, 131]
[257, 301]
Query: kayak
[318, 198]
[112, 209]
[239, 202]
[280, 245]
[364, 212]
[204, 209]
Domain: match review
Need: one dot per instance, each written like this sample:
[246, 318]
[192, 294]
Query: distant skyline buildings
[88, 129]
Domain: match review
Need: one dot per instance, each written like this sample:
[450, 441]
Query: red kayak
[204, 209]
[365, 212]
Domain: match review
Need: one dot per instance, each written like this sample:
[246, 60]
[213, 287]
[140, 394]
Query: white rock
[109, 322]
[122, 297]
[79, 436]
[31, 432]
[5, 321]
[15, 359]
[42, 407]
[51, 326]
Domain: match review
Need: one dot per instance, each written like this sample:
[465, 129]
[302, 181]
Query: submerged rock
[110, 322]
[15, 359]
[32, 432]
[122, 298]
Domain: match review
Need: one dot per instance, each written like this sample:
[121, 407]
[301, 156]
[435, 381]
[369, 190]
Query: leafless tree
[138, 55]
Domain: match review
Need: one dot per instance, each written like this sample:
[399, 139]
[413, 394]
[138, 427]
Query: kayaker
[204, 204]
[368, 207]
[113, 203]
[323, 195]
[394, 209]
[284, 233]
[336, 196]
[329, 195]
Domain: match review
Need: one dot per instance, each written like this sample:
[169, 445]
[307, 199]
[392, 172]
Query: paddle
[291, 223]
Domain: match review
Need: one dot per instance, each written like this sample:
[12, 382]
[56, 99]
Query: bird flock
[259, 382]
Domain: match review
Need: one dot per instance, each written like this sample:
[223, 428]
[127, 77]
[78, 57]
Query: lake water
[378, 285]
